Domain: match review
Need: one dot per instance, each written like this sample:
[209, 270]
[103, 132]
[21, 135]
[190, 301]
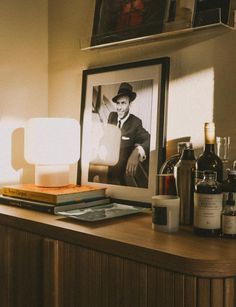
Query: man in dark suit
[135, 140]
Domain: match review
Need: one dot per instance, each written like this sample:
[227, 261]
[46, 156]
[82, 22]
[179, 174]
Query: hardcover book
[51, 208]
[53, 195]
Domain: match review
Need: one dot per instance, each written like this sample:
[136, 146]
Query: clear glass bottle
[168, 166]
[229, 217]
[208, 205]
[184, 178]
[209, 160]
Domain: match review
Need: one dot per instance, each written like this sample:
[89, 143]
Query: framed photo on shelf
[212, 12]
[119, 20]
[180, 15]
[123, 119]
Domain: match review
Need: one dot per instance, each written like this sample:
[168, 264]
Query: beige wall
[23, 79]
[202, 74]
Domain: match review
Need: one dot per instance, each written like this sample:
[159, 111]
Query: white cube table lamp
[52, 144]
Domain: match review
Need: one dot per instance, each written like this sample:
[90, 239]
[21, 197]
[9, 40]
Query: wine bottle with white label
[209, 160]
[208, 205]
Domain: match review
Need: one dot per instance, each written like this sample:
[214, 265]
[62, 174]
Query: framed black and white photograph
[119, 20]
[123, 118]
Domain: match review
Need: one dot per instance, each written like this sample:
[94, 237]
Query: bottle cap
[209, 125]
[230, 201]
[209, 129]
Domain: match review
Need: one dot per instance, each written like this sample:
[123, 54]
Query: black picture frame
[209, 12]
[119, 20]
[151, 72]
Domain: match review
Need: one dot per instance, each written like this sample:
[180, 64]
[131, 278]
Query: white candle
[165, 213]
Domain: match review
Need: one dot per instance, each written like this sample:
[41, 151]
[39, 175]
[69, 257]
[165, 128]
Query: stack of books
[53, 200]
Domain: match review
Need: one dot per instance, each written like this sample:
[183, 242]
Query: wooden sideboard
[48, 260]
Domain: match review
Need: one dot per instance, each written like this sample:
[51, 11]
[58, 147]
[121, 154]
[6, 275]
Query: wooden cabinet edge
[52, 231]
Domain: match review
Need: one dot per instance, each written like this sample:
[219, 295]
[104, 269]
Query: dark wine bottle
[184, 177]
[208, 206]
[209, 160]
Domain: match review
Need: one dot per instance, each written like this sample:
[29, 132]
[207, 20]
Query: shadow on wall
[216, 54]
[18, 161]
[225, 90]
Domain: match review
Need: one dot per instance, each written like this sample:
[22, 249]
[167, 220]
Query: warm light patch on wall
[11, 153]
[190, 104]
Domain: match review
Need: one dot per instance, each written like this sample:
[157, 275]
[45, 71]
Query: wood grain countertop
[132, 237]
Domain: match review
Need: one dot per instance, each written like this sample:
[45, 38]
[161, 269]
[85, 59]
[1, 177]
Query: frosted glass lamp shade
[105, 144]
[52, 144]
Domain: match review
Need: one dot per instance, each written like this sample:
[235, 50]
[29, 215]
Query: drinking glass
[222, 151]
[223, 147]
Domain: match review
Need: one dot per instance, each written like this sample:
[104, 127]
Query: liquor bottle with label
[229, 217]
[208, 206]
[229, 185]
[209, 160]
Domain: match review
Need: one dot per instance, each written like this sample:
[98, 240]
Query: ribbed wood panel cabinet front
[41, 272]
[21, 268]
[93, 279]
[28, 269]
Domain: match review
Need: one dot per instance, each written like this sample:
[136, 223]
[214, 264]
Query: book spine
[47, 198]
[50, 208]
[28, 205]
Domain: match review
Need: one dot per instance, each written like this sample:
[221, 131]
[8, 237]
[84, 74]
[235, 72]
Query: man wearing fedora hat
[135, 140]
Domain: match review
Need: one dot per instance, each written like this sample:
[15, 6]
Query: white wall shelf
[207, 31]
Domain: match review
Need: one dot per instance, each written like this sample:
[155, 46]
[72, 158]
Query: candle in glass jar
[165, 213]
